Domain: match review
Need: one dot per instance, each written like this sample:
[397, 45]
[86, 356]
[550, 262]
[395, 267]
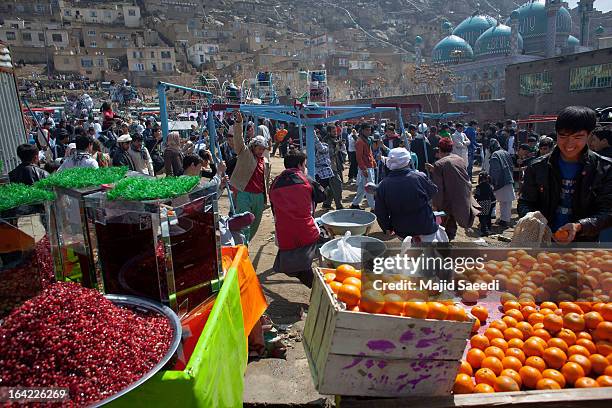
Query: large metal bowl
[145, 305]
[375, 246]
[338, 222]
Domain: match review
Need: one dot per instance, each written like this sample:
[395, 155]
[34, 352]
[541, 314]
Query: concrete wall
[520, 106]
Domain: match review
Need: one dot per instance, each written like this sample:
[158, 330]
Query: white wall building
[201, 53]
[112, 13]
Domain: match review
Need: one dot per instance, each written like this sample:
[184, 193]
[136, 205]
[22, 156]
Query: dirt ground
[287, 382]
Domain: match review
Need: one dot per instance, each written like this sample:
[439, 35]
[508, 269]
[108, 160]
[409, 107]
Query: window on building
[100, 62]
[201, 58]
[19, 8]
[166, 54]
[591, 77]
[41, 37]
[57, 38]
[93, 44]
[485, 93]
[167, 66]
[137, 54]
[67, 13]
[10, 36]
[91, 33]
[26, 37]
[132, 13]
[139, 67]
[152, 54]
[87, 63]
[93, 14]
[535, 83]
[39, 8]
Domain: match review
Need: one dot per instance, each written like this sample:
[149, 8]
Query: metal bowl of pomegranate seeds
[143, 306]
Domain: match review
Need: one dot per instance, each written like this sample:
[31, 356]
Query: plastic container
[375, 247]
[165, 250]
[26, 266]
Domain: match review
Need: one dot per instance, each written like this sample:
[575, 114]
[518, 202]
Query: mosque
[480, 48]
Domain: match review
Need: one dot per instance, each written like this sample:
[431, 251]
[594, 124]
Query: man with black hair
[61, 144]
[366, 166]
[572, 186]
[27, 172]
[82, 156]
[601, 141]
[545, 145]
[294, 196]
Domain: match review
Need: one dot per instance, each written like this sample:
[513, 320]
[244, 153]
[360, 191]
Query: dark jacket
[403, 203]
[592, 202]
[605, 152]
[422, 148]
[173, 162]
[27, 174]
[122, 158]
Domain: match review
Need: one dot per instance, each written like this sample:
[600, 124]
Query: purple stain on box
[382, 364]
[401, 377]
[426, 331]
[369, 363]
[406, 337]
[370, 376]
[384, 346]
[355, 361]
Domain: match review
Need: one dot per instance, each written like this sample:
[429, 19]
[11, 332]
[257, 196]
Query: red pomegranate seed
[73, 337]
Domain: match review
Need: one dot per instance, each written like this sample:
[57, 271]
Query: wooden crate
[362, 354]
[568, 398]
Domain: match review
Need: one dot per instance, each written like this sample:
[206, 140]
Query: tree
[432, 80]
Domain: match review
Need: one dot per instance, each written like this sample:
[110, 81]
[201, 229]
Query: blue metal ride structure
[264, 88]
[306, 115]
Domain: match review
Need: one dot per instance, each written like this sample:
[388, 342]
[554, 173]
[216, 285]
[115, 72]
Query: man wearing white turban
[403, 198]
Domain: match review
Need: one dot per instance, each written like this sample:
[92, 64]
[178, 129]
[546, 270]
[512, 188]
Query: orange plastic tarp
[252, 297]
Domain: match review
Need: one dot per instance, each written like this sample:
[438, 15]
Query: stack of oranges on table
[584, 275]
[545, 347]
[346, 283]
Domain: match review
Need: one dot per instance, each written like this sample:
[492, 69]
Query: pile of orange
[346, 283]
[545, 346]
[581, 275]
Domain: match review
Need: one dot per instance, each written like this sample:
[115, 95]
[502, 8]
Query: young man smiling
[571, 186]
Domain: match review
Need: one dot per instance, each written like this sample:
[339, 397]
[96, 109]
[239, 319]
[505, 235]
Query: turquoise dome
[572, 41]
[533, 20]
[496, 41]
[452, 50]
[472, 27]
[418, 40]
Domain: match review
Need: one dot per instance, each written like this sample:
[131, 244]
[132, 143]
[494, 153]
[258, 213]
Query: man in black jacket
[572, 186]
[27, 172]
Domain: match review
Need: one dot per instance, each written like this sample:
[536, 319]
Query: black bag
[158, 162]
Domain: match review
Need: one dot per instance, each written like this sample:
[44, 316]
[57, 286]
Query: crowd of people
[404, 176]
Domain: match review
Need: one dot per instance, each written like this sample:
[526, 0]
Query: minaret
[514, 30]
[418, 44]
[585, 10]
[598, 34]
[552, 8]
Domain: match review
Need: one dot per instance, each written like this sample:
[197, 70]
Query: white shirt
[265, 132]
[351, 143]
[460, 144]
[511, 144]
[79, 159]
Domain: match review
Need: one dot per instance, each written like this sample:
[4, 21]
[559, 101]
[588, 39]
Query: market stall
[138, 351]
[523, 326]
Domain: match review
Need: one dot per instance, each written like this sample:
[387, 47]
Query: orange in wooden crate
[555, 376]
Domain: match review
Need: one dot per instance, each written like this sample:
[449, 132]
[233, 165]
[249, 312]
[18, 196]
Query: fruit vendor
[294, 196]
[571, 186]
[248, 176]
[403, 198]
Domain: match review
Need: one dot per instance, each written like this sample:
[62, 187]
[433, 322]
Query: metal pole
[212, 132]
[310, 149]
[163, 111]
[400, 121]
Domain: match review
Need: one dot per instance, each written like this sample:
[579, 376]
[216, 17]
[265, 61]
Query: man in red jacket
[293, 196]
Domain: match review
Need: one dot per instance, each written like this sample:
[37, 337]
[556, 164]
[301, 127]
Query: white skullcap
[398, 158]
